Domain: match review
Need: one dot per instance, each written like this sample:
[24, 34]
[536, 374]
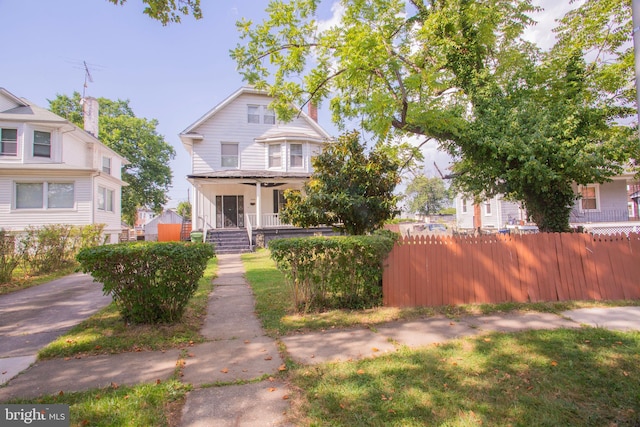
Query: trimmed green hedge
[151, 282]
[333, 272]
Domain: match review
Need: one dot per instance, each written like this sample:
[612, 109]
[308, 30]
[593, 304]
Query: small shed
[167, 217]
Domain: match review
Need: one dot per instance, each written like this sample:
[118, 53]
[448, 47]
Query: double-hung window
[487, 207]
[464, 205]
[589, 198]
[253, 114]
[41, 144]
[275, 156]
[105, 199]
[8, 142]
[295, 154]
[229, 155]
[45, 195]
[269, 116]
[106, 165]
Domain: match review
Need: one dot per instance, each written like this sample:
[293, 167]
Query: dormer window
[41, 144]
[8, 142]
[106, 165]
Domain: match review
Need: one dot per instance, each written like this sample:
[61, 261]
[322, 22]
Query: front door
[230, 211]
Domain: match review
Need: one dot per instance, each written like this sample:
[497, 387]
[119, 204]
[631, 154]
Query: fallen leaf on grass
[158, 382]
[272, 389]
[282, 367]
[360, 371]
[224, 371]
[285, 397]
[487, 340]
[554, 363]
[374, 349]
[114, 386]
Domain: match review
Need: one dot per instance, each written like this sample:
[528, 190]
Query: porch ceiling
[246, 176]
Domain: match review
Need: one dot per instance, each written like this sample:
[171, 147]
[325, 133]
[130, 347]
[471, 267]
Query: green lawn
[105, 332]
[21, 280]
[584, 377]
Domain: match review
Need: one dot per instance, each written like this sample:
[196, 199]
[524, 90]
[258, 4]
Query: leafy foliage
[9, 257]
[334, 272]
[151, 282]
[427, 196]
[184, 210]
[148, 172]
[50, 247]
[167, 11]
[461, 73]
[349, 188]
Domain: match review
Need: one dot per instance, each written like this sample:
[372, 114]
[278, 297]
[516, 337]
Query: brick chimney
[90, 112]
[313, 111]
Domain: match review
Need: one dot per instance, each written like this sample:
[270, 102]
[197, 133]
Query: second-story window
[229, 155]
[464, 205]
[295, 153]
[41, 144]
[275, 156]
[8, 142]
[106, 165]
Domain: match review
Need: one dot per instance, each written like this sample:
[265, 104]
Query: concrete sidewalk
[234, 373]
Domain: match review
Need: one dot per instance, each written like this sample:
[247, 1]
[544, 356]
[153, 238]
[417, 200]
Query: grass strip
[106, 333]
[577, 377]
[142, 405]
[22, 280]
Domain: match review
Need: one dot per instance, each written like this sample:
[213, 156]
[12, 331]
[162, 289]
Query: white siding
[230, 124]
[19, 219]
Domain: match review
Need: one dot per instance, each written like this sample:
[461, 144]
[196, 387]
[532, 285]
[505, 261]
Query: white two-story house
[243, 159]
[53, 172]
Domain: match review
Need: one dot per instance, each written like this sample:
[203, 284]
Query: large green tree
[167, 11]
[349, 188]
[426, 196]
[517, 121]
[148, 172]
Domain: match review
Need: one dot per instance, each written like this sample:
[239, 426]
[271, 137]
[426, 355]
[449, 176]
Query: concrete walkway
[234, 373]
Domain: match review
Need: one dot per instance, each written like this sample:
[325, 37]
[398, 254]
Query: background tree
[348, 187]
[427, 196]
[148, 173]
[167, 11]
[184, 209]
[459, 72]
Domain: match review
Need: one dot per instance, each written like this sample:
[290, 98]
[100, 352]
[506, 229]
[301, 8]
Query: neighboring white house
[242, 160]
[166, 217]
[600, 208]
[53, 172]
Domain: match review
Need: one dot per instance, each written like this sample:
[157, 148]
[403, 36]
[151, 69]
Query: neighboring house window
[45, 195]
[278, 201]
[106, 165]
[8, 142]
[589, 198]
[253, 114]
[229, 155]
[296, 155]
[275, 156]
[487, 207]
[105, 199]
[269, 116]
[41, 144]
[464, 205]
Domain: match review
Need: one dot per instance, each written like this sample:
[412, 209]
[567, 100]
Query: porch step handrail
[249, 228]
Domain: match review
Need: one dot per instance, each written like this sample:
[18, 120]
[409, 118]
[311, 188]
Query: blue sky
[173, 74]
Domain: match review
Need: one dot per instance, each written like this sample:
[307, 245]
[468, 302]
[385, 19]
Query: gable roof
[189, 132]
[24, 111]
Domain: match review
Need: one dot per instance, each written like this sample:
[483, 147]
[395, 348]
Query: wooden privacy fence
[442, 270]
[169, 232]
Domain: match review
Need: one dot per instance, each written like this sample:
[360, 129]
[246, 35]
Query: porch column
[258, 206]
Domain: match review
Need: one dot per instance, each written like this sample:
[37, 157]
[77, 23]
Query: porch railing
[249, 228]
[268, 220]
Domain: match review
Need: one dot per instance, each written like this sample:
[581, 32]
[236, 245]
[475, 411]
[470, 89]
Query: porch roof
[235, 175]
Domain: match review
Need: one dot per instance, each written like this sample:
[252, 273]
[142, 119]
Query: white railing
[268, 220]
[249, 227]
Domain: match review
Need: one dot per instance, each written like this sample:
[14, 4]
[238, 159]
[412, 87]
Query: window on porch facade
[295, 153]
[275, 156]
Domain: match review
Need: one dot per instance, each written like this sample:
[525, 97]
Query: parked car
[436, 227]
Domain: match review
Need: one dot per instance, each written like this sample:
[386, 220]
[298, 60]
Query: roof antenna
[87, 78]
